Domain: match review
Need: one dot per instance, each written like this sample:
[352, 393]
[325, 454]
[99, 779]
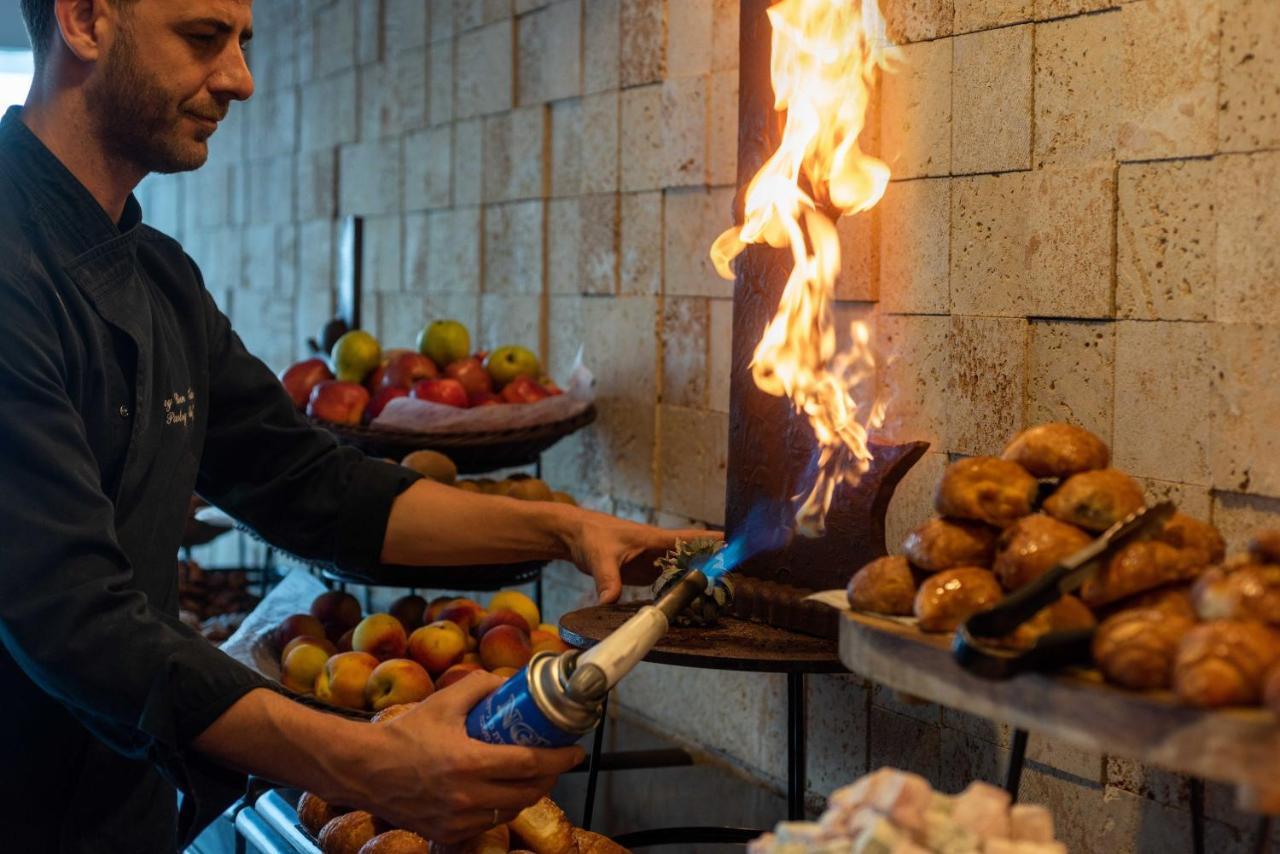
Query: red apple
[550, 387]
[373, 381]
[485, 398]
[301, 377]
[408, 368]
[471, 373]
[340, 402]
[382, 397]
[523, 390]
[446, 391]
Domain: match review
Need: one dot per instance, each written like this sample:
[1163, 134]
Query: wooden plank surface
[1239, 746]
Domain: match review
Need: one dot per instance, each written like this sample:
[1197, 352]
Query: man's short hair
[38, 16]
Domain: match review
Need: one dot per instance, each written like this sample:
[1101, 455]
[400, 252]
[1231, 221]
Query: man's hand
[424, 773]
[615, 552]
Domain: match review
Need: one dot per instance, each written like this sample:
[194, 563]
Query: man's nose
[233, 79]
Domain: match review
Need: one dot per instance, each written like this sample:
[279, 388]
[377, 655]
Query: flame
[825, 56]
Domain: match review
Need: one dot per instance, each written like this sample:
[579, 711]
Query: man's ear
[82, 25]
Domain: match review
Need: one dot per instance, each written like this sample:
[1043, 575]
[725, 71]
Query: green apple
[507, 363]
[444, 342]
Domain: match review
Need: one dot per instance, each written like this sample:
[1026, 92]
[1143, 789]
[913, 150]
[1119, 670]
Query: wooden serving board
[1237, 746]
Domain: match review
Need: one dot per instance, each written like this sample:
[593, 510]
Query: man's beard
[137, 119]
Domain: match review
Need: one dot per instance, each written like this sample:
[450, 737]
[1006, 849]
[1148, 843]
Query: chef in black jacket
[122, 389]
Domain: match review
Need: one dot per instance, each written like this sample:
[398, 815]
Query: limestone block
[722, 128]
[640, 243]
[270, 188]
[912, 501]
[643, 55]
[259, 259]
[641, 139]
[725, 16]
[1249, 116]
[566, 147]
[719, 353]
[368, 178]
[454, 250]
[1239, 517]
[316, 255]
[441, 19]
[1063, 757]
[382, 244]
[966, 759]
[991, 102]
[598, 252]
[837, 745]
[919, 20]
[468, 162]
[440, 83]
[1162, 423]
[510, 319]
[1071, 373]
[693, 460]
[416, 253]
[905, 743]
[328, 112]
[988, 374]
[1248, 257]
[272, 123]
[689, 38]
[915, 247]
[369, 44]
[600, 45]
[914, 376]
[1047, 9]
[514, 155]
[400, 317]
[1078, 97]
[405, 25]
[513, 248]
[483, 74]
[1246, 402]
[334, 38]
[984, 14]
[1193, 500]
[685, 339]
[684, 132]
[428, 169]
[1165, 241]
[565, 320]
[600, 143]
[915, 111]
[549, 53]
[693, 219]
[564, 243]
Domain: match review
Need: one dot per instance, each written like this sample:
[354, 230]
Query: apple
[464, 612]
[530, 489]
[485, 398]
[301, 377]
[523, 390]
[444, 341]
[338, 611]
[456, 673]
[507, 363]
[342, 403]
[342, 681]
[395, 681]
[296, 625]
[408, 368]
[505, 646]
[380, 635]
[373, 381]
[514, 600]
[437, 646]
[472, 658]
[547, 642]
[550, 387]
[446, 391]
[408, 610]
[300, 640]
[437, 605]
[301, 665]
[381, 398]
[471, 373]
[505, 617]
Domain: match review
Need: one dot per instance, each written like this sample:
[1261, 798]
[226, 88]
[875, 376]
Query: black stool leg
[1264, 835]
[795, 746]
[593, 771]
[1197, 815]
[1017, 753]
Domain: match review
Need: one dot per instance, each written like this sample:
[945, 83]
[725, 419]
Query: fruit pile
[373, 662]
[540, 829]
[213, 603]
[360, 378]
[441, 469]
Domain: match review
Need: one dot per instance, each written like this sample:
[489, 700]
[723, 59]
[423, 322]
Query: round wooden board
[733, 644]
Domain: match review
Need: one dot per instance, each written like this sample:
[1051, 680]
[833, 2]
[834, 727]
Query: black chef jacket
[122, 389]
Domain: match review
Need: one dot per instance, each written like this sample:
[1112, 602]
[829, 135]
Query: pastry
[544, 829]
[1136, 568]
[1174, 600]
[1265, 546]
[884, 586]
[1068, 614]
[942, 543]
[594, 843]
[1271, 689]
[314, 813]
[1095, 500]
[348, 833]
[397, 842]
[1057, 450]
[1250, 592]
[1199, 542]
[1032, 546]
[986, 489]
[950, 597]
[1136, 648]
[495, 840]
[1222, 663]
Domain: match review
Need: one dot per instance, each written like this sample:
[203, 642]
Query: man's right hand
[424, 773]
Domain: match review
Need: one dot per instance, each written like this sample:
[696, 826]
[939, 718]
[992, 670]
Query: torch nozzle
[678, 596]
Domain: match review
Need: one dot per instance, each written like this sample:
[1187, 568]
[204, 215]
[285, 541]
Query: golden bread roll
[594, 843]
[495, 840]
[1174, 600]
[314, 813]
[1265, 546]
[1271, 689]
[884, 586]
[544, 829]
[948, 598]
[1095, 500]
[1136, 648]
[1136, 568]
[1032, 546]
[347, 833]
[397, 842]
[1068, 614]
[1057, 450]
[986, 489]
[1199, 542]
[391, 712]
[1222, 663]
[1250, 592]
[942, 543]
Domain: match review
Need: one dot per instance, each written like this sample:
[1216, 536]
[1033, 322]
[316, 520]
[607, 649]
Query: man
[107, 702]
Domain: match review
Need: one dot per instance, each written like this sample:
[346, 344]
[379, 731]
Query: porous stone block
[1245, 405]
[468, 162]
[725, 15]
[902, 742]
[483, 74]
[684, 132]
[511, 319]
[1248, 259]
[334, 38]
[838, 746]
[1071, 374]
[689, 38]
[719, 353]
[515, 155]
[915, 246]
[1047, 9]
[640, 243]
[428, 168]
[405, 25]
[988, 358]
[643, 54]
[317, 184]
[915, 111]
[440, 83]
[454, 249]
[393, 95]
[549, 53]
[328, 112]
[599, 143]
[859, 249]
[685, 338]
[919, 20]
[1249, 109]
[368, 178]
[991, 101]
[693, 460]
[513, 248]
[566, 148]
[985, 14]
[912, 501]
[381, 245]
[1078, 83]
[1239, 517]
[692, 220]
[914, 376]
[722, 129]
[641, 138]
[600, 45]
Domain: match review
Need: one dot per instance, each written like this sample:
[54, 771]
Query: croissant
[1174, 600]
[1066, 615]
[950, 597]
[1222, 663]
[1265, 546]
[1199, 542]
[1250, 592]
[986, 489]
[1271, 689]
[1032, 546]
[1057, 450]
[1137, 567]
[1136, 648]
[1095, 500]
[884, 586]
[942, 543]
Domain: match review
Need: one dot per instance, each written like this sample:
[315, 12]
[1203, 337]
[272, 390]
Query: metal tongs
[975, 646]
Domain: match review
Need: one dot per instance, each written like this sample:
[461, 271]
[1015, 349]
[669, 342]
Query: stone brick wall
[1080, 227]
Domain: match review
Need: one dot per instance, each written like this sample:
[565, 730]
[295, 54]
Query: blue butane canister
[535, 708]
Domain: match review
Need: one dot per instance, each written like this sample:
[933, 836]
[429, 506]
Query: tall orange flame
[825, 57]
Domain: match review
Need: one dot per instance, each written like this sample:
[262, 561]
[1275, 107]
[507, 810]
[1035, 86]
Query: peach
[343, 643]
[437, 647]
[505, 617]
[548, 627]
[300, 667]
[342, 681]
[547, 642]
[297, 625]
[437, 605]
[455, 673]
[505, 672]
[338, 611]
[464, 612]
[472, 658]
[409, 611]
[505, 646]
[323, 643]
[380, 635]
[514, 600]
[395, 681]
